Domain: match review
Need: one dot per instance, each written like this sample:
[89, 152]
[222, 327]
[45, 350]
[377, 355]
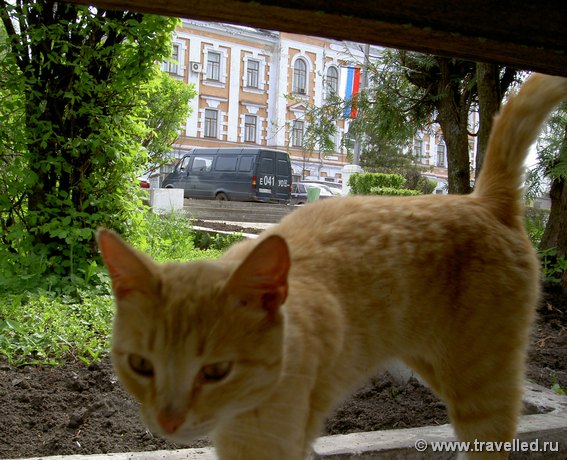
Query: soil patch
[78, 409]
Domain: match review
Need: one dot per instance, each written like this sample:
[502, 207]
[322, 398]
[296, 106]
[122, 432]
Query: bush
[535, 221]
[362, 183]
[426, 185]
[379, 184]
[46, 319]
[390, 191]
[171, 237]
[553, 266]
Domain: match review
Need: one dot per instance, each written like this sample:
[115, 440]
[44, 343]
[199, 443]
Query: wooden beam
[527, 34]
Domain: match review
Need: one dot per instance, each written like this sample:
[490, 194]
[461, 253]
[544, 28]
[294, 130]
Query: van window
[184, 163]
[246, 163]
[283, 168]
[225, 163]
[202, 163]
[267, 166]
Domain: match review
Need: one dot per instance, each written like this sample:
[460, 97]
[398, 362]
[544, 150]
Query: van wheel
[222, 196]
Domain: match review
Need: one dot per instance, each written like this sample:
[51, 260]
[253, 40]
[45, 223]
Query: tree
[552, 164]
[411, 90]
[164, 105]
[321, 128]
[493, 81]
[74, 124]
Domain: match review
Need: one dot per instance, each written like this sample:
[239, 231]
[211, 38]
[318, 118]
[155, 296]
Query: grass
[39, 325]
[45, 328]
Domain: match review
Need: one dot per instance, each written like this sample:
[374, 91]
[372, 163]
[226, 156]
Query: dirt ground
[75, 409]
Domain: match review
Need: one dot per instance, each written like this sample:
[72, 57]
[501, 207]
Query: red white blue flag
[350, 85]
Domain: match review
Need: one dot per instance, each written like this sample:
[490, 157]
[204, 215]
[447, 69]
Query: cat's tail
[515, 129]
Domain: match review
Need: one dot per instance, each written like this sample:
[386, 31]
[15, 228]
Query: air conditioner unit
[301, 90]
[196, 67]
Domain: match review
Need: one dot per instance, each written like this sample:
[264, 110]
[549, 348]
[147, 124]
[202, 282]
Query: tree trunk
[555, 234]
[489, 97]
[491, 86]
[453, 108]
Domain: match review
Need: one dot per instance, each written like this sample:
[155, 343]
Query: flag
[350, 85]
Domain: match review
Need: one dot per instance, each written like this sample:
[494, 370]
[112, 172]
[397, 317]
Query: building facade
[253, 89]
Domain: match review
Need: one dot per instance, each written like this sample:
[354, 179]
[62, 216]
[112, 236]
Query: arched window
[332, 81]
[300, 77]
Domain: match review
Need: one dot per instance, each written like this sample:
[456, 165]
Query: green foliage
[171, 237]
[556, 388]
[215, 241]
[164, 107]
[380, 184]
[425, 185]
[82, 103]
[551, 154]
[45, 323]
[321, 129]
[553, 265]
[362, 183]
[535, 221]
[391, 191]
[392, 109]
[43, 327]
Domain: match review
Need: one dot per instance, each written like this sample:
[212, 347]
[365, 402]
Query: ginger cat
[257, 347]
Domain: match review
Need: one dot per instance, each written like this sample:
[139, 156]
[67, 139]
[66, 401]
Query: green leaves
[379, 184]
[83, 108]
[45, 321]
[44, 328]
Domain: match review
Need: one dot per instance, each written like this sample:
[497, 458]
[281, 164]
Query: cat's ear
[262, 278]
[129, 270]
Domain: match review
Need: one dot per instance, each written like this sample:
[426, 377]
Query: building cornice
[228, 30]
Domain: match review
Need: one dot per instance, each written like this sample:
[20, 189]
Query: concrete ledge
[205, 453]
[236, 211]
[548, 424]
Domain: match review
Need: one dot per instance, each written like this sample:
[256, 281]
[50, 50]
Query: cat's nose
[170, 422]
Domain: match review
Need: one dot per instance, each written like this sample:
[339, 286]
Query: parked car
[242, 174]
[144, 183]
[299, 191]
[333, 187]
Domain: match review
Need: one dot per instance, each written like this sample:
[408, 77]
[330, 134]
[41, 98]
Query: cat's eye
[216, 372]
[141, 365]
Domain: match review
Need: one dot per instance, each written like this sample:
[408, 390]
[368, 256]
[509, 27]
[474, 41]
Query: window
[297, 134]
[300, 77]
[246, 163]
[250, 128]
[332, 81]
[213, 65]
[283, 168]
[211, 123]
[184, 163]
[202, 163]
[172, 64]
[266, 166]
[226, 163]
[417, 152]
[253, 74]
[441, 154]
